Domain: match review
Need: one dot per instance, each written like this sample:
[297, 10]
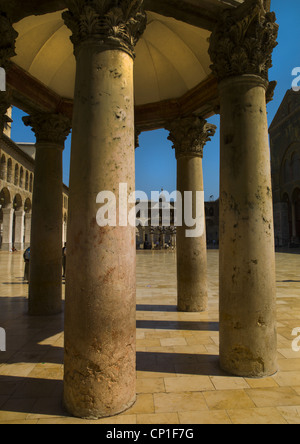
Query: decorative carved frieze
[115, 24]
[243, 41]
[49, 128]
[189, 136]
[7, 41]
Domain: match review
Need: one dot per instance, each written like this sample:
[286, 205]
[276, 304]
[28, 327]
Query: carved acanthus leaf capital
[8, 40]
[243, 41]
[189, 136]
[116, 24]
[5, 103]
[137, 134]
[49, 128]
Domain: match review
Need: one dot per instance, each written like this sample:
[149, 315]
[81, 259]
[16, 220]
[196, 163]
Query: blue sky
[155, 159]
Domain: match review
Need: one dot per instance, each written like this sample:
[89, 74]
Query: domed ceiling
[171, 57]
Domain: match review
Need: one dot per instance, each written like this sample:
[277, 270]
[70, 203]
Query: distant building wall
[285, 160]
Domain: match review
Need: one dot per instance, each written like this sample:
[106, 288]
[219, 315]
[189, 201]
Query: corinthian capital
[8, 40]
[243, 41]
[49, 128]
[5, 103]
[115, 24]
[189, 136]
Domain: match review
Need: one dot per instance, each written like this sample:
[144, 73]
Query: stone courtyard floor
[178, 376]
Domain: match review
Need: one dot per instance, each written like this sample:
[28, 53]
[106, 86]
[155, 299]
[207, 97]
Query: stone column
[100, 320]
[294, 222]
[19, 230]
[240, 48]
[45, 286]
[152, 232]
[7, 228]
[64, 233]
[27, 230]
[189, 136]
[7, 50]
[173, 237]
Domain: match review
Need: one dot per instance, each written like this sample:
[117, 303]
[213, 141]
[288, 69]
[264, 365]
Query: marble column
[27, 230]
[7, 228]
[294, 222]
[100, 316]
[19, 230]
[152, 233]
[45, 286]
[7, 50]
[189, 136]
[247, 260]
[8, 212]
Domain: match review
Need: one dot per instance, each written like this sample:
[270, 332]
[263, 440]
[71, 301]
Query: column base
[47, 306]
[42, 312]
[95, 415]
[185, 308]
[6, 247]
[240, 363]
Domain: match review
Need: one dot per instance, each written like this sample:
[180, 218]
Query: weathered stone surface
[189, 136]
[247, 259]
[5, 103]
[8, 39]
[45, 287]
[113, 24]
[100, 325]
[243, 41]
[52, 128]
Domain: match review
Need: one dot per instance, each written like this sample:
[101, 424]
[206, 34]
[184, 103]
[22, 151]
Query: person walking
[26, 257]
[64, 258]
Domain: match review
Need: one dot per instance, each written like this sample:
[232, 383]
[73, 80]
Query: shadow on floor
[37, 397]
[178, 325]
[163, 308]
[182, 363]
[32, 396]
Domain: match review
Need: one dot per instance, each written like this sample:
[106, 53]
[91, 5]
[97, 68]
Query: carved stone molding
[114, 24]
[7, 41]
[49, 128]
[189, 136]
[243, 41]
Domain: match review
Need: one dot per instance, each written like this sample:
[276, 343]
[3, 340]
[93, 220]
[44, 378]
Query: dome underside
[171, 57]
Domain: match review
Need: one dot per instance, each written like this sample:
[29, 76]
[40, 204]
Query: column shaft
[27, 230]
[247, 260]
[100, 300]
[191, 251]
[189, 136]
[294, 222]
[19, 230]
[45, 287]
[100, 325]
[7, 228]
